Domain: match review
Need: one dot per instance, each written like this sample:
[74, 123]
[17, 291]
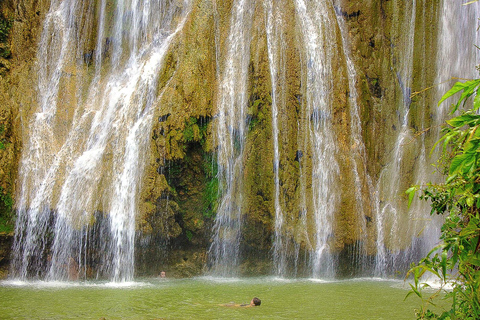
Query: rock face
[20, 23]
[180, 191]
[19, 27]
[6, 242]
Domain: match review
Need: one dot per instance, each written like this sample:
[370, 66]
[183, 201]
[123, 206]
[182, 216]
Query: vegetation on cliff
[6, 201]
[5, 27]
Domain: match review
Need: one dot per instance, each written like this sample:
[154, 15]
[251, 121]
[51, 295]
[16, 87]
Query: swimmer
[254, 303]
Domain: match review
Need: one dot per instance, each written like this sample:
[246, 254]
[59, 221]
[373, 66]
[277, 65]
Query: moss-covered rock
[19, 31]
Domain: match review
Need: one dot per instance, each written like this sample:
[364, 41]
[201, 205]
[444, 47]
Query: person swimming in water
[255, 302]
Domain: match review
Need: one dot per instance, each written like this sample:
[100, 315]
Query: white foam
[71, 284]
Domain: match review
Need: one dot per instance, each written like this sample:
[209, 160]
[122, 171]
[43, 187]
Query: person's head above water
[255, 302]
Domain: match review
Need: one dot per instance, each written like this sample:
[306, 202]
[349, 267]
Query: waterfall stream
[454, 58]
[359, 153]
[91, 171]
[275, 55]
[401, 234]
[230, 135]
[320, 44]
[389, 191]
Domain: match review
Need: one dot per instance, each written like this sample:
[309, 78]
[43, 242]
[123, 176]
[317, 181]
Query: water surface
[202, 298]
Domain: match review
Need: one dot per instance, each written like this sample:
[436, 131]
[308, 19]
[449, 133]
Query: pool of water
[204, 298]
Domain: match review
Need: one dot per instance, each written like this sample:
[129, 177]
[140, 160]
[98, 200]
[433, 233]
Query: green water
[202, 298]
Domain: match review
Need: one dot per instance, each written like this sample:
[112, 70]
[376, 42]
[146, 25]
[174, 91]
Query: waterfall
[455, 57]
[319, 187]
[340, 171]
[457, 54]
[389, 202]
[230, 134]
[359, 153]
[319, 44]
[82, 163]
[275, 50]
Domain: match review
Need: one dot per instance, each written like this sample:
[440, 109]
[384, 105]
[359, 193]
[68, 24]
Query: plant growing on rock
[5, 27]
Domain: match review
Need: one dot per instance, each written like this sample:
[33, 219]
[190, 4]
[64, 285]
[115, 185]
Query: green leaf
[457, 87]
[472, 145]
[476, 100]
[415, 290]
[474, 260]
[468, 88]
[408, 294]
[462, 120]
[443, 264]
[470, 229]
[468, 91]
[460, 160]
[451, 178]
[469, 201]
[411, 194]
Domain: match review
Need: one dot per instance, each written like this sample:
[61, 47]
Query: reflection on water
[202, 298]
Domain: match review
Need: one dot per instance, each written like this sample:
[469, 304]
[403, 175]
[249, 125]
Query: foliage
[195, 130]
[456, 260]
[189, 235]
[5, 27]
[6, 212]
[3, 142]
[211, 194]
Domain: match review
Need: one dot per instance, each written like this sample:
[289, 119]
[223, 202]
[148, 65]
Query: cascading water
[460, 57]
[359, 153]
[319, 43]
[319, 196]
[419, 231]
[81, 167]
[231, 129]
[402, 235]
[275, 55]
[389, 202]
[98, 68]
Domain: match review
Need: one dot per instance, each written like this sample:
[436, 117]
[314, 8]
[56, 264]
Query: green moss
[172, 173]
[211, 194]
[256, 110]
[6, 212]
[189, 235]
[5, 28]
[192, 131]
